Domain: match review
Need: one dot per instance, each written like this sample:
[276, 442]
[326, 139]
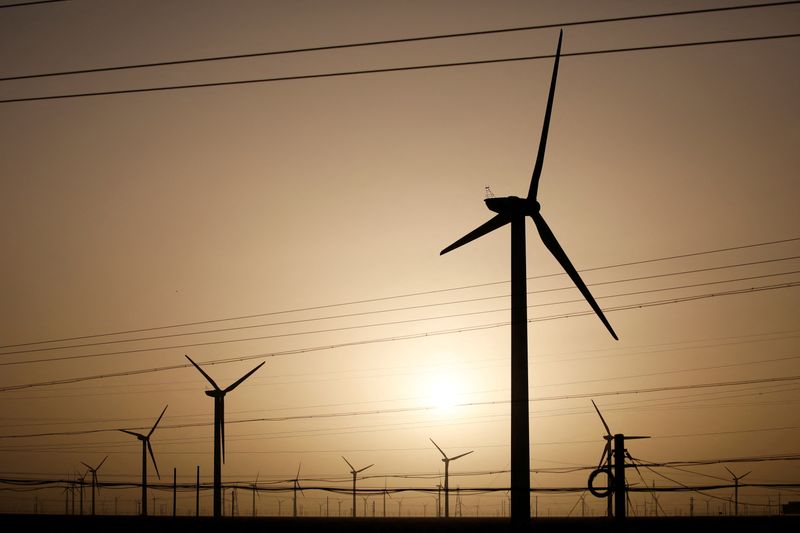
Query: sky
[299, 222]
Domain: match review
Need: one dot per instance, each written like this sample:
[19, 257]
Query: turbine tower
[94, 477]
[146, 446]
[219, 429]
[513, 210]
[446, 460]
[355, 473]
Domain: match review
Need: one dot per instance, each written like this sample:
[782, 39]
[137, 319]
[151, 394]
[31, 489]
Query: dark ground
[14, 523]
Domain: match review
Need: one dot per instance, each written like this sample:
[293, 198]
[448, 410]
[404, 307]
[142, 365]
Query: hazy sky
[316, 210]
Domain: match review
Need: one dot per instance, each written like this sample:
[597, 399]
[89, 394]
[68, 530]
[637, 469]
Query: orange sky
[281, 201]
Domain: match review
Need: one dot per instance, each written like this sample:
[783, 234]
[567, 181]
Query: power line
[387, 70]
[393, 41]
[441, 317]
[296, 351]
[33, 3]
[410, 308]
[312, 416]
[385, 298]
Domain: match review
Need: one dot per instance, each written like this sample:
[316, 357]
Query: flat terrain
[416, 525]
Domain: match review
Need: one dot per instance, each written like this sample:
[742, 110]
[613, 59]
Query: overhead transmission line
[400, 40]
[296, 351]
[392, 297]
[414, 308]
[637, 305]
[33, 3]
[387, 70]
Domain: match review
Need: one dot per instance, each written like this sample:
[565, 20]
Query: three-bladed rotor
[146, 439]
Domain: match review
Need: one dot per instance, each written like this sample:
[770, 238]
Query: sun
[443, 391]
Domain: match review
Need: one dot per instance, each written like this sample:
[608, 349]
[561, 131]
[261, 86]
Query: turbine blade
[637, 437]
[153, 457]
[462, 455]
[750, 472]
[101, 463]
[157, 421]
[497, 222]
[603, 420]
[221, 401]
[89, 467]
[213, 383]
[537, 168]
[552, 244]
[729, 470]
[297, 477]
[352, 469]
[440, 450]
[239, 381]
[357, 471]
[604, 456]
[132, 433]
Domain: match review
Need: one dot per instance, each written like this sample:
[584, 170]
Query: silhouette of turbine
[616, 484]
[513, 210]
[355, 473]
[94, 477]
[295, 488]
[446, 460]
[736, 489]
[219, 429]
[146, 446]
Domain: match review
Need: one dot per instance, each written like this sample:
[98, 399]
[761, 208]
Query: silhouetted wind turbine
[219, 429]
[355, 473]
[146, 446]
[513, 210]
[736, 490]
[295, 489]
[619, 453]
[94, 477]
[446, 460]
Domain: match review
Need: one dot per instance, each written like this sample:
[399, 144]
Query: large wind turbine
[295, 487]
[446, 460]
[219, 429]
[94, 477]
[513, 210]
[355, 473]
[146, 446]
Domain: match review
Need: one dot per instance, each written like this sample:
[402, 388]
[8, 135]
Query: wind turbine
[355, 473]
[513, 210]
[736, 490]
[616, 482]
[219, 429]
[146, 446]
[294, 490]
[94, 477]
[446, 460]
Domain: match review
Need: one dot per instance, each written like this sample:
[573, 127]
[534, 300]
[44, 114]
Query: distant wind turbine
[446, 460]
[736, 489]
[355, 474]
[295, 489]
[616, 481]
[146, 447]
[219, 429]
[94, 478]
[513, 210]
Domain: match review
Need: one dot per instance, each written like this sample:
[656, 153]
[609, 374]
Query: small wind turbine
[94, 477]
[513, 210]
[219, 429]
[736, 490]
[446, 460]
[146, 446]
[616, 483]
[295, 489]
[355, 473]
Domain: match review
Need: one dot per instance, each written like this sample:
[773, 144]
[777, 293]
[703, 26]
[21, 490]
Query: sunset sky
[299, 222]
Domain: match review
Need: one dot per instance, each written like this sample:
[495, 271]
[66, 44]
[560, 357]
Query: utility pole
[691, 505]
[197, 494]
[174, 491]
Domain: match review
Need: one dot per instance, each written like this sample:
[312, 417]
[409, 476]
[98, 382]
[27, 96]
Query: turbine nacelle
[513, 206]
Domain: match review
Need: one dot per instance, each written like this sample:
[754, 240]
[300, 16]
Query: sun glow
[443, 391]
